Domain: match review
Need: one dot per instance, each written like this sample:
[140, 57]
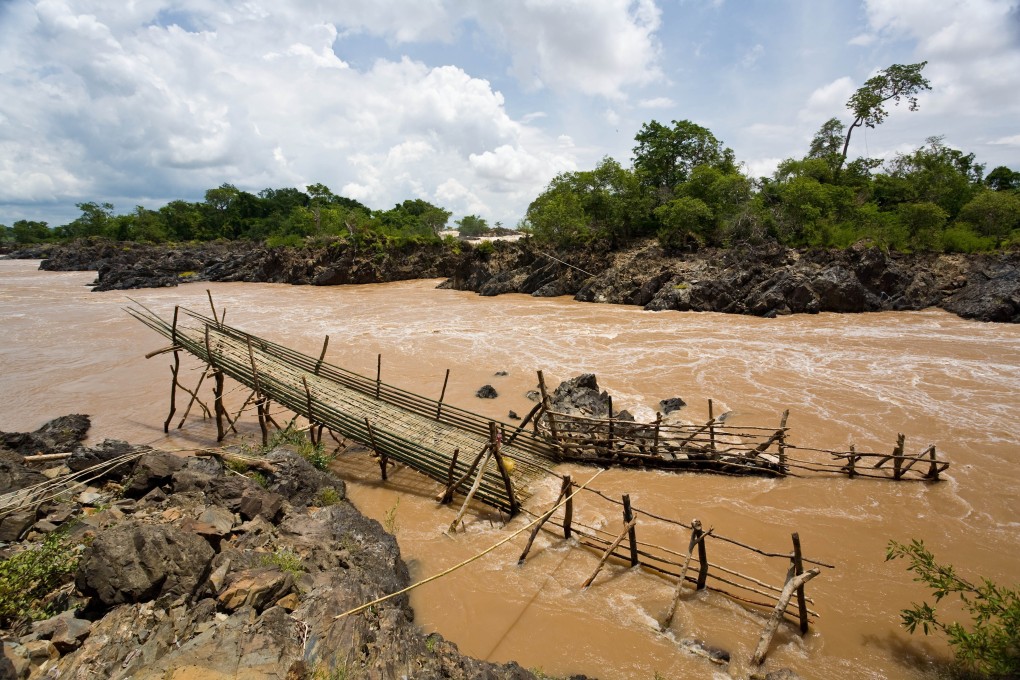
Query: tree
[664, 157]
[471, 225]
[686, 223]
[96, 220]
[867, 104]
[30, 231]
[991, 645]
[992, 213]
[1003, 179]
[933, 173]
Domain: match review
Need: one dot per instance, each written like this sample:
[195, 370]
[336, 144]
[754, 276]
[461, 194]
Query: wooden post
[453, 464]
[933, 470]
[782, 442]
[378, 375]
[798, 569]
[496, 443]
[898, 457]
[777, 614]
[609, 439]
[308, 403]
[379, 452]
[696, 539]
[322, 355]
[546, 403]
[218, 403]
[194, 398]
[702, 556]
[260, 399]
[442, 394]
[655, 438]
[628, 518]
[853, 461]
[568, 511]
[711, 426]
[448, 494]
[213, 307]
[173, 391]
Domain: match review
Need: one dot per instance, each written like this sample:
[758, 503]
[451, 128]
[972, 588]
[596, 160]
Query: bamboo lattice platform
[436, 439]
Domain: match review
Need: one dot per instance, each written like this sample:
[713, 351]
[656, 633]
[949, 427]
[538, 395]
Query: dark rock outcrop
[486, 392]
[59, 435]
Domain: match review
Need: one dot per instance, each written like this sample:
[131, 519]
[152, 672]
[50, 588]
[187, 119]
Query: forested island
[684, 227]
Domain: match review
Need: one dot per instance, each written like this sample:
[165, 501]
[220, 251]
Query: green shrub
[991, 645]
[328, 496]
[284, 241]
[27, 577]
[485, 248]
[285, 560]
[962, 239]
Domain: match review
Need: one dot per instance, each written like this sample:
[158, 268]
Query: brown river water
[845, 378]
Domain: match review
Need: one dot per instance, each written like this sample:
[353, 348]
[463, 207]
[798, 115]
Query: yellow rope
[468, 561]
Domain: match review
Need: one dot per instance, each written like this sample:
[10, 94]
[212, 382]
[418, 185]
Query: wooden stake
[777, 614]
[194, 398]
[609, 441]
[609, 551]
[851, 463]
[218, 403]
[442, 394]
[628, 517]
[696, 537]
[655, 438]
[711, 426]
[496, 443]
[568, 512]
[322, 355]
[702, 558]
[782, 442]
[173, 391]
[378, 376]
[308, 403]
[453, 464]
[798, 569]
[933, 470]
[375, 447]
[898, 450]
[898, 457]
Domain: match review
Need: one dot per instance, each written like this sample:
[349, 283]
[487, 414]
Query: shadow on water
[915, 654]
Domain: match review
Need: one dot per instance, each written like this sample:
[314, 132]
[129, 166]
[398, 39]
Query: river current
[845, 378]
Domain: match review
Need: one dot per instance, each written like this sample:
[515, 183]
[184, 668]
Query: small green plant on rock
[27, 577]
[390, 521]
[287, 561]
[991, 645]
[328, 496]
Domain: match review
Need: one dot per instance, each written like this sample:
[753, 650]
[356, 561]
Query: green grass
[285, 560]
[29, 576]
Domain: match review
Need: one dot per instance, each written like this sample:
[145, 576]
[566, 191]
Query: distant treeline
[684, 187]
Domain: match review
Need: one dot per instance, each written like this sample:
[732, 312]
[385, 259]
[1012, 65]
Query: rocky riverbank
[768, 280]
[186, 567]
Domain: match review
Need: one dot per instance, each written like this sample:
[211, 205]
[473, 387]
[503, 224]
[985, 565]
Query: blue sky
[470, 104]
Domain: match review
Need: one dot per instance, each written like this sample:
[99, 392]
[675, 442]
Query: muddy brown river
[845, 378]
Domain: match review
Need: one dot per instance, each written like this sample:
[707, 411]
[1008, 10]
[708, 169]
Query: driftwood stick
[194, 398]
[448, 494]
[913, 461]
[173, 391]
[777, 614]
[542, 520]
[43, 457]
[322, 355]
[472, 491]
[609, 551]
[696, 537]
[171, 348]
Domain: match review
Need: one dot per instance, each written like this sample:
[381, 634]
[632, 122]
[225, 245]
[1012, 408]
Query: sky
[473, 105]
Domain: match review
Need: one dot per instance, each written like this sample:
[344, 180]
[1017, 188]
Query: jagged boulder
[141, 562]
[59, 435]
[581, 395]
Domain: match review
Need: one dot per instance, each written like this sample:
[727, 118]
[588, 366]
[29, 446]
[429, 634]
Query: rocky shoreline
[769, 280]
[192, 567]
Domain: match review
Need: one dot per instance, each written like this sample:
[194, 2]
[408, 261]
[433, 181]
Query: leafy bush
[991, 646]
[29, 576]
[485, 248]
[285, 560]
[329, 496]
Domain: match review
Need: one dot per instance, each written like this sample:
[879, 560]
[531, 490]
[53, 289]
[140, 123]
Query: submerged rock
[486, 392]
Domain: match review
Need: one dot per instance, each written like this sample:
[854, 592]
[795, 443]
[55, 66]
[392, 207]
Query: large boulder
[141, 562]
[59, 435]
[581, 395]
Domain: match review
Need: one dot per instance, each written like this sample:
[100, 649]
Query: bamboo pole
[777, 614]
[609, 551]
[448, 494]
